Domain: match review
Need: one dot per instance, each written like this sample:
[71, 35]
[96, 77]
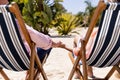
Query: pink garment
[89, 45]
[41, 40]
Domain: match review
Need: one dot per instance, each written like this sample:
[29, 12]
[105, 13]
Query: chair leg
[3, 74]
[27, 75]
[116, 67]
[78, 68]
[85, 74]
[110, 73]
[37, 73]
[79, 73]
[40, 67]
[71, 57]
[74, 68]
[31, 73]
[42, 72]
[32, 62]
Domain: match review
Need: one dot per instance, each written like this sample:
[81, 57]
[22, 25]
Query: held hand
[76, 50]
[61, 45]
[58, 44]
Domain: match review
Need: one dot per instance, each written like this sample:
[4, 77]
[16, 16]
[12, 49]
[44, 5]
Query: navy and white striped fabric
[106, 50]
[13, 54]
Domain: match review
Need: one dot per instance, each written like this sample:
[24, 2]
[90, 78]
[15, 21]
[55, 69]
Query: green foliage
[81, 17]
[37, 18]
[89, 11]
[86, 16]
[65, 23]
[45, 14]
[19, 2]
[39, 13]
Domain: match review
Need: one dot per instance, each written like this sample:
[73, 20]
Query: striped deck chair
[106, 49]
[13, 54]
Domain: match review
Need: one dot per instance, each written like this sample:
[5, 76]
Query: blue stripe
[21, 42]
[107, 40]
[118, 7]
[115, 59]
[2, 22]
[10, 43]
[107, 6]
[99, 30]
[111, 54]
[6, 60]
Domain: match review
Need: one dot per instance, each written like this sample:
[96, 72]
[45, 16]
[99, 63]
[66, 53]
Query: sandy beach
[58, 65]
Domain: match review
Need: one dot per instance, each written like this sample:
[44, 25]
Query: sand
[58, 65]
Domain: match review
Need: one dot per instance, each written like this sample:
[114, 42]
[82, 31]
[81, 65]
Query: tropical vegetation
[45, 14]
[65, 23]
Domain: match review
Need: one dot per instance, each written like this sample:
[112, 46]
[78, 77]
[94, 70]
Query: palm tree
[40, 13]
[88, 12]
[85, 17]
[65, 23]
[81, 17]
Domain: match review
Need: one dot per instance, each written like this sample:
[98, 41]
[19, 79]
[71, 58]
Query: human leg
[90, 72]
[77, 44]
[42, 53]
[75, 52]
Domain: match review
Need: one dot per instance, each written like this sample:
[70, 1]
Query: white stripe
[113, 58]
[3, 45]
[117, 32]
[110, 47]
[112, 6]
[9, 26]
[2, 8]
[17, 47]
[6, 51]
[1, 66]
[4, 62]
[102, 35]
[118, 59]
[17, 44]
[112, 42]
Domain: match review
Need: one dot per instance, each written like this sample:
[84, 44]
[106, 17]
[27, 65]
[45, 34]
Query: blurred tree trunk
[40, 5]
[41, 8]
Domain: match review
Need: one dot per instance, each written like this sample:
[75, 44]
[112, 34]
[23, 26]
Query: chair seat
[106, 50]
[13, 54]
[11, 43]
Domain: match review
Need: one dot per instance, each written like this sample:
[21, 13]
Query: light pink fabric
[90, 43]
[41, 40]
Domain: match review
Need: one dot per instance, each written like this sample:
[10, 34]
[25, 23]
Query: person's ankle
[77, 76]
[90, 75]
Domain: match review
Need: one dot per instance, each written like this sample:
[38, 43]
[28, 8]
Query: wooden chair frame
[34, 57]
[101, 6]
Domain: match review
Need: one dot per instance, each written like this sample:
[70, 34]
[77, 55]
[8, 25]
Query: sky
[75, 6]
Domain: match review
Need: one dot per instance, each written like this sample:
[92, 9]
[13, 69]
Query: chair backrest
[13, 54]
[106, 49]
